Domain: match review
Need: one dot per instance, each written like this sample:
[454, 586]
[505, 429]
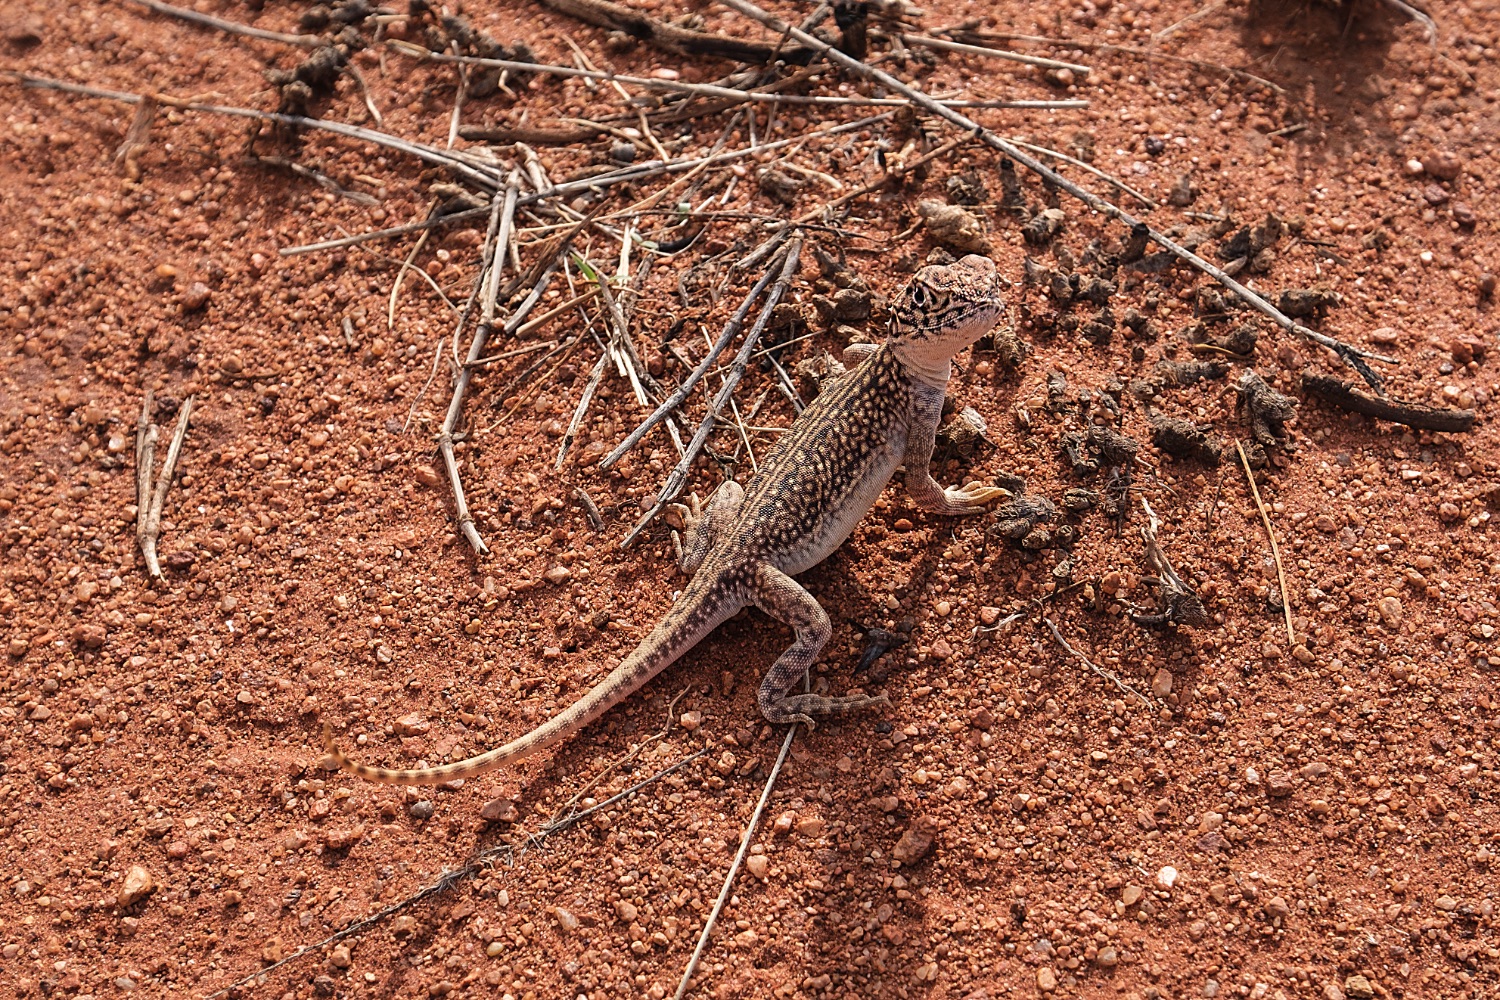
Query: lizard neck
[930, 371]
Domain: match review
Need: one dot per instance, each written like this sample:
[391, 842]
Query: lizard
[745, 546]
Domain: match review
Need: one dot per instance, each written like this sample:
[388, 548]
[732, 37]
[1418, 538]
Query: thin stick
[458, 101]
[1082, 165]
[1426, 418]
[507, 212]
[232, 27]
[148, 530]
[545, 345]
[1126, 688]
[1147, 54]
[708, 89]
[480, 862]
[1202, 12]
[390, 318]
[676, 399]
[943, 45]
[885, 179]
[678, 475]
[485, 178]
[1265, 519]
[392, 232]
[734, 869]
[590, 509]
[583, 405]
[626, 175]
[1348, 353]
[554, 312]
[364, 91]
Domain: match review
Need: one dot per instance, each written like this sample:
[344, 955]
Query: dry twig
[734, 868]
[1426, 418]
[231, 27]
[1182, 606]
[1126, 688]
[505, 213]
[1265, 519]
[1348, 353]
[482, 861]
[482, 175]
[678, 475]
[676, 399]
[149, 503]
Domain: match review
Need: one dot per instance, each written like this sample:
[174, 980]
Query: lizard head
[944, 309]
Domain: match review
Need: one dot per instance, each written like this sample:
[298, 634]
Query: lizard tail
[697, 612]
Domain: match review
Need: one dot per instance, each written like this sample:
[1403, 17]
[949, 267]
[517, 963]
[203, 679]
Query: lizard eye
[920, 298]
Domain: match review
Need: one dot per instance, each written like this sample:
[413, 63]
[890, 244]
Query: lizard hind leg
[706, 525]
[784, 599]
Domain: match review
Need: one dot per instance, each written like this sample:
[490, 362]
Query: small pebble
[196, 297]
[691, 720]
[1390, 611]
[1046, 979]
[422, 809]
[917, 841]
[499, 811]
[1167, 877]
[1161, 683]
[566, 921]
[137, 885]
[811, 826]
[558, 575]
[1443, 165]
[758, 865]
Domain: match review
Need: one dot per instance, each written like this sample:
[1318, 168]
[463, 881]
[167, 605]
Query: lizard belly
[838, 520]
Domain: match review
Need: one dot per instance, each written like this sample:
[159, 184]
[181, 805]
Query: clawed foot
[974, 496]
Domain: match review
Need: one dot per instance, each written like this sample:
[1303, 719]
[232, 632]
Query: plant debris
[1180, 604]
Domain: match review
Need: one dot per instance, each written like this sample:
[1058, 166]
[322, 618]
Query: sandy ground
[1218, 811]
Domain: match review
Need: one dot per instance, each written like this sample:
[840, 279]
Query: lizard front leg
[923, 489]
[784, 599]
[706, 525]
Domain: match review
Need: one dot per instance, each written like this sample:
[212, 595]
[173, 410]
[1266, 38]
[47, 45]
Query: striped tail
[700, 609]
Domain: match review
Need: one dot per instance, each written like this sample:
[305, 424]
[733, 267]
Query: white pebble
[1167, 877]
[1414, 167]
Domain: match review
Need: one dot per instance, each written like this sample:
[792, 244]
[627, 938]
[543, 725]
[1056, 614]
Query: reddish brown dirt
[1330, 812]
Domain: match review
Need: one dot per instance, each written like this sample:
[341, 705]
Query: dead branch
[1265, 519]
[734, 868]
[149, 503]
[962, 48]
[1426, 418]
[678, 475]
[231, 27]
[672, 38]
[1182, 606]
[480, 174]
[676, 399]
[729, 94]
[1351, 355]
[1107, 675]
[1088, 46]
[483, 861]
